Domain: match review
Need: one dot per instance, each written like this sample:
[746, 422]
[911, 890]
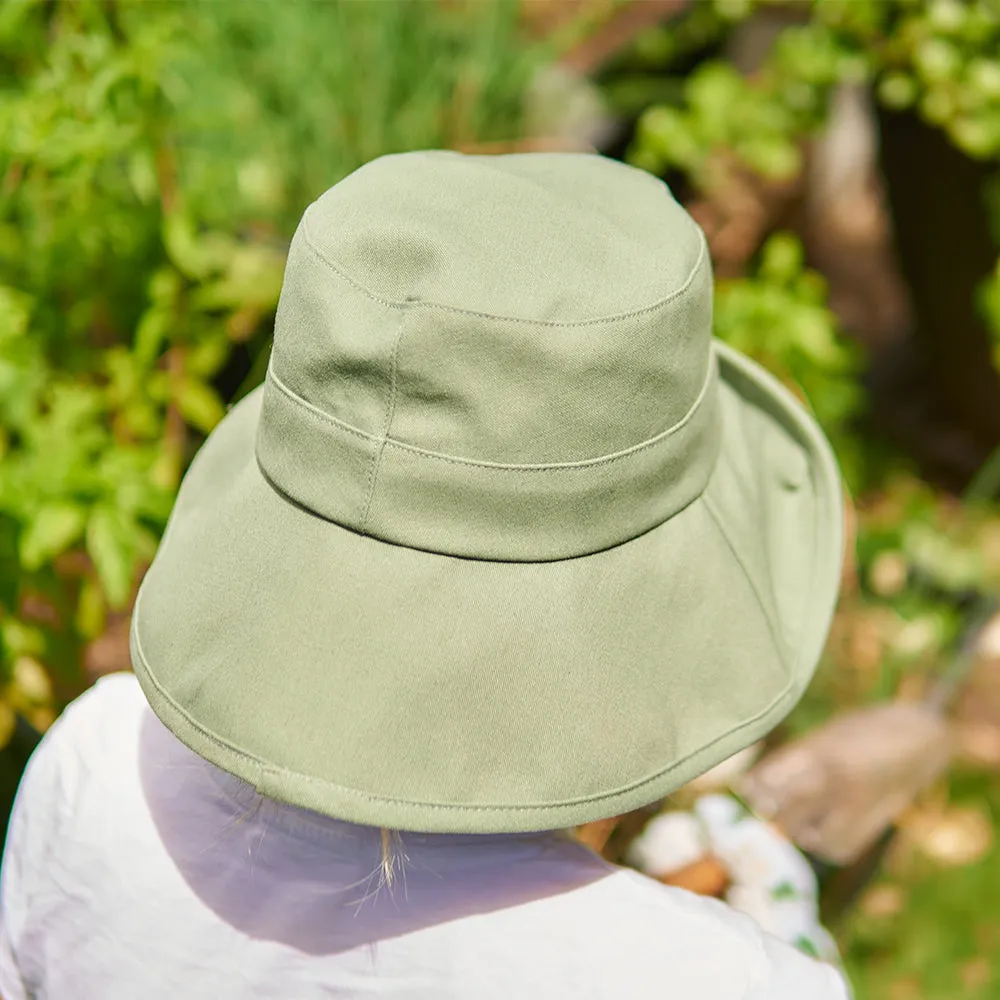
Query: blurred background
[841, 155]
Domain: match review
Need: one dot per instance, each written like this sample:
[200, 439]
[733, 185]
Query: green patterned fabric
[506, 541]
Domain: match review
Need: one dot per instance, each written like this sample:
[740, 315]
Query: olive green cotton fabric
[506, 541]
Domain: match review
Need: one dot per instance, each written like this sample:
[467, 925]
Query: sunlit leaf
[90, 610]
[20, 639]
[199, 404]
[111, 545]
[8, 723]
[52, 530]
[15, 311]
[31, 680]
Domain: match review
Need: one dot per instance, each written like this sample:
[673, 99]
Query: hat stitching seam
[822, 466]
[377, 458]
[771, 626]
[315, 410]
[818, 470]
[584, 464]
[269, 769]
[414, 303]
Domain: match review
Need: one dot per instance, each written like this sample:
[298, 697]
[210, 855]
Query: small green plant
[778, 315]
[919, 553]
[940, 59]
[154, 159]
[114, 319]
[300, 93]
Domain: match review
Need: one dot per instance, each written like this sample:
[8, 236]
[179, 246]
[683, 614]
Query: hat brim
[395, 687]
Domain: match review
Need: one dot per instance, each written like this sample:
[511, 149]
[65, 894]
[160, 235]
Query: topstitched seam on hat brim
[265, 768]
[823, 475]
[772, 626]
[587, 463]
[426, 304]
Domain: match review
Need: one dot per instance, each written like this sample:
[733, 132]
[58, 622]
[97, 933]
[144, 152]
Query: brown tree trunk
[938, 394]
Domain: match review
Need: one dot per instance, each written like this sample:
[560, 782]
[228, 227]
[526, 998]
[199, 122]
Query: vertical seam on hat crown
[390, 410]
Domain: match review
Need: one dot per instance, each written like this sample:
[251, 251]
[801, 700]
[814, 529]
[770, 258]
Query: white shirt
[134, 870]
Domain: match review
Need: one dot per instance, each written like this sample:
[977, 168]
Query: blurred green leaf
[91, 610]
[150, 334]
[53, 529]
[199, 404]
[781, 258]
[897, 91]
[111, 543]
[186, 252]
[208, 355]
[19, 639]
[15, 311]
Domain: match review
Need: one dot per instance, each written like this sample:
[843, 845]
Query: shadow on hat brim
[395, 687]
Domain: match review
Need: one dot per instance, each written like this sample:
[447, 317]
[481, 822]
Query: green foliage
[636, 82]
[940, 58]
[777, 314]
[918, 553]
[81, 413]
[760, 119]
[154, 158]
[147, 194]
[340, 83]
[945, 926]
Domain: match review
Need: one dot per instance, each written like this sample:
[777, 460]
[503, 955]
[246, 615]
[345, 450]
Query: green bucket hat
[506, 541]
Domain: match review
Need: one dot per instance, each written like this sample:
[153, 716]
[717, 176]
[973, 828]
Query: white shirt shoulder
[84, 850]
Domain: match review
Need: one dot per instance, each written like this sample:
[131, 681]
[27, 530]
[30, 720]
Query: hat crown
[513, 311]
[541, 237]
